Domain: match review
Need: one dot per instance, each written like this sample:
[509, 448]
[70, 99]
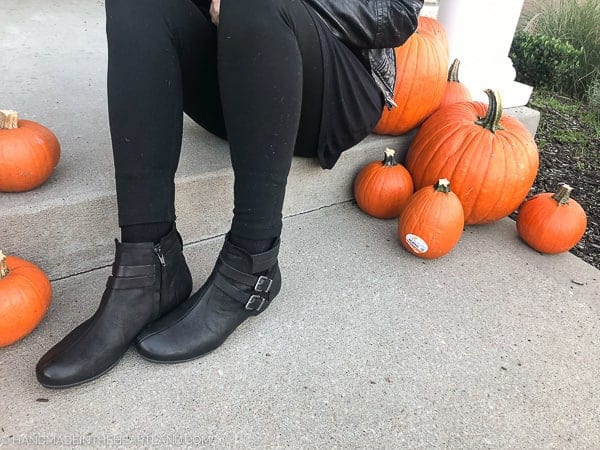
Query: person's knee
[131, 16]
[249, 15]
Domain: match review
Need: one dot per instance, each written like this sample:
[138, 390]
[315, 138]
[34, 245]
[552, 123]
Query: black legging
[263, 93]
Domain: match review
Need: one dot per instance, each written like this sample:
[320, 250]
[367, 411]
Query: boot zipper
[162, 287]
[159, 254]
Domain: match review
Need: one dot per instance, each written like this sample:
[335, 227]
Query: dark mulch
[570, 153]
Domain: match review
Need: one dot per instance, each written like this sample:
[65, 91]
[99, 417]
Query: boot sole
[178, 361]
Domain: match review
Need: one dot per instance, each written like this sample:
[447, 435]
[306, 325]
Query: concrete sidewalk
[493, 346]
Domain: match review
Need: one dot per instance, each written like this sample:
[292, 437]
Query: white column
[480, 33]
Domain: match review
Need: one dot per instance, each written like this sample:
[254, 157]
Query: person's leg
[161, 63]
[264, 62]
[148, 43]
[270, 74]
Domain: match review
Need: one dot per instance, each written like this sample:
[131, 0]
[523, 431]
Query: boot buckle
[263, 284]
[253, 300]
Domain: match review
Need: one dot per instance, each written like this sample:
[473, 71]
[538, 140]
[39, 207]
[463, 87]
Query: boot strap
[132, 271]
[130, 282]
[253, 302]
[260, 286]
[260, 283]
[260, 261]
[131, 277]
[264, 261]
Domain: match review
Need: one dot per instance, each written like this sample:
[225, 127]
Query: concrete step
[492, 346]
[68, 225]
[67, 233]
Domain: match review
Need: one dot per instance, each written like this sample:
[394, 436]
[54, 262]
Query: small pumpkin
[421, 71]
[455, 91]
[552, 223]
[432, 221]
[491, 158]
[382, 188]
[29, 153]
[25, 295]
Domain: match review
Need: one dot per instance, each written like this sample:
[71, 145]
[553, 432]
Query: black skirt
[352, 102]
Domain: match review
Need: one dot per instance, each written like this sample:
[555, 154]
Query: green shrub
[593, 101]
[545, 62]
[578, 23]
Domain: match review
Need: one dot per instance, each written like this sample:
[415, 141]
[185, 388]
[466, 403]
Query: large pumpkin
[552, 223]
[490, 159]
[421, 73]
[431, 222]
[29, 152]
[433, 27]
[25, 295]
[382, 188]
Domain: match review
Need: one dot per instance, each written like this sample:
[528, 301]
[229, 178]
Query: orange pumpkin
[455, 91]
[421, 72]
[381, 188]
[432, 221]
[435, 28]
[25, 295]
[29, 152]
[552, 223]
[491, 159]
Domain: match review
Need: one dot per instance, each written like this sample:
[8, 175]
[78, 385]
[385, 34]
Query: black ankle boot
[147, 281]
[241, 285]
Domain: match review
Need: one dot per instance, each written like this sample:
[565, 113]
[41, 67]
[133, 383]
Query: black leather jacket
[374, 27]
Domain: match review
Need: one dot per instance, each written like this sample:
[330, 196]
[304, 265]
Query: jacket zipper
[383, 85]
[389, 100]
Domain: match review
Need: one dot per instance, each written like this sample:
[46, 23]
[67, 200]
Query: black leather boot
[241, 285]
[147, 281]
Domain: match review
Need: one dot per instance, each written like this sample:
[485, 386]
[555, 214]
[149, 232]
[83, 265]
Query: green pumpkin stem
[563, 194]
[491, 121]
[390, 157]
[9, 119]
[442, 185]
[3, 266]
[453, 71]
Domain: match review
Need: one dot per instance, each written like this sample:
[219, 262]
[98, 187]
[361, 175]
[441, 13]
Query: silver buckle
[252, 300]
[258, 287]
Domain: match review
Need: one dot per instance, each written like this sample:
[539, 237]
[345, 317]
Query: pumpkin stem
[442, 185]
[390, 157]
[453, 71]
[491, 121]
[9, 120]
[563, 194]
[3, 266]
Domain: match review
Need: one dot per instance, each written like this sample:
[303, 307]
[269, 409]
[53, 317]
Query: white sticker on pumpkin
[416, 243]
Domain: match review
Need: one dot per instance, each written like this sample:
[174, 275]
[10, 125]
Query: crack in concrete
[201, 241]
